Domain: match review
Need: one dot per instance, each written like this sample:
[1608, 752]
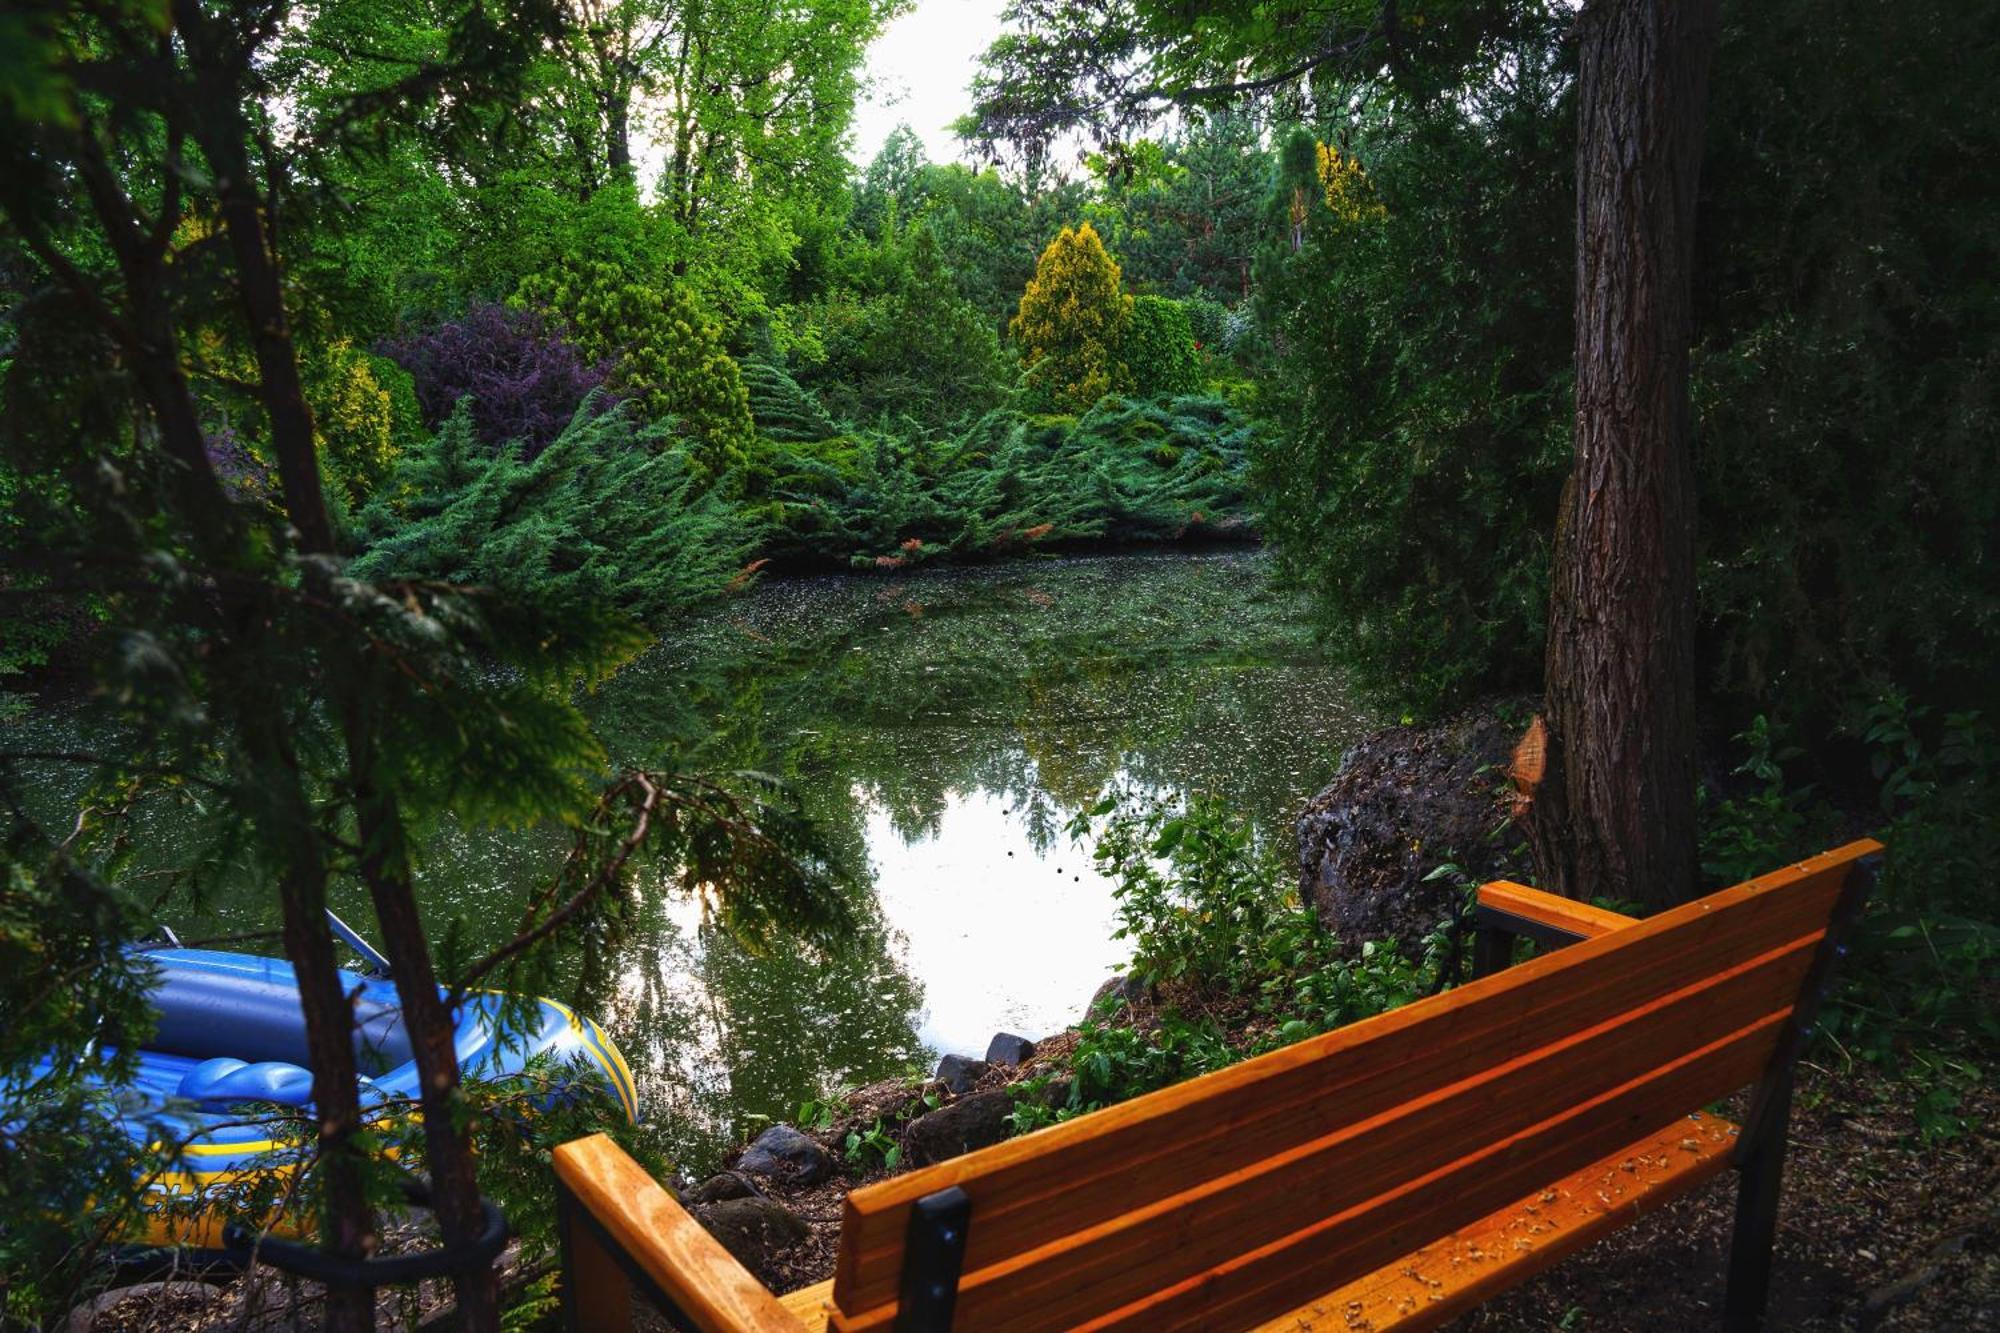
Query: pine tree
[1072, 322]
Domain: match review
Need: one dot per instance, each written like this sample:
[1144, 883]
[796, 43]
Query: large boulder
[783, 1153]
[957, 1127]
[960, 1072]
[1405, 801]
[725, 1185]
[755, 1230]
[1008, 1049]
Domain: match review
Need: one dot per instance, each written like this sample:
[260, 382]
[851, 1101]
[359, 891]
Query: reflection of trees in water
[718, 1036]
[1038, 684]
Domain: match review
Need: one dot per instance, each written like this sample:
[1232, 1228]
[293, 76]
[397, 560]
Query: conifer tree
[1072, 322]
[1160, 354]
[667, 360]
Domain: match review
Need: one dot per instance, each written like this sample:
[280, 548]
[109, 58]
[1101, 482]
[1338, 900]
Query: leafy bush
[665, 357]
[1208, 321]
[782, 409]
[603, 516]
[1071, 322]
[353, 417]
[907, 348]
[1216, 924]
[1916, 993]
[1159, 349]
[524, 381]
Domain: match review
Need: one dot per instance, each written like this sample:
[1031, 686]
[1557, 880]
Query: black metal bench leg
[933, 1257]
[1762, 1170]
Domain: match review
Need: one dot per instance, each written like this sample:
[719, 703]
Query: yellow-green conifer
[1072, 320]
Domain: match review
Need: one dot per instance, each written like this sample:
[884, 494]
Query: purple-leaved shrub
[525, 380]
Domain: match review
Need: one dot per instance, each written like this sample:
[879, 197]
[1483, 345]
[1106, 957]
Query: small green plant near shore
[821, 1113]
[873, 1146]
[1242, 965]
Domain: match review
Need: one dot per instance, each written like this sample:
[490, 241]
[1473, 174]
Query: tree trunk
[1616, 817]
[223, 131]
[224, 134]
[347, 1225]
[447, 1147]
[618, 129]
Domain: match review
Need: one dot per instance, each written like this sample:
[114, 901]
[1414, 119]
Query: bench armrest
[1526, 911]
[1506, 910]
[619, 1225]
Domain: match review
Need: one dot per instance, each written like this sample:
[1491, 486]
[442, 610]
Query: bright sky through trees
[918, 71]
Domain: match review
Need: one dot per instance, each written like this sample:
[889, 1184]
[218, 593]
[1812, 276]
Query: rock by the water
[755, 1230]
[1405, 801]
[786, 1154]
[727, 1185]
[1056, 1095]
[1008, 1049]
[1126, 990]
[958, 1127]
[960, 1072]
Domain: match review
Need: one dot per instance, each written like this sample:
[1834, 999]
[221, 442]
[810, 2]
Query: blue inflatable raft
[232, 1033]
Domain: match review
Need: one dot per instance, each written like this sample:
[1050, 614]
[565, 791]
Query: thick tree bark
[1616, 816]
[329, 1013]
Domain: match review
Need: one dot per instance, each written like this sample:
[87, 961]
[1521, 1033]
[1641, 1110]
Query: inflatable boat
[232, 1035]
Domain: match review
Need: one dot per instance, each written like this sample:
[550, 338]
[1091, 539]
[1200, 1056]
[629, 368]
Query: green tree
[1072, 320]
[1159, 350]
[911, 348]
[669, 361]
[1419, 386]
[323, 719]
[1188, 225]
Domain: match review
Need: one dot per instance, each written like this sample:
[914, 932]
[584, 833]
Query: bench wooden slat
[1445, 1279]
[715, 1292]
[1352, 1172]
[1031, 1191]
[1550, 909]
[1253, 1287]
[1245, 1209]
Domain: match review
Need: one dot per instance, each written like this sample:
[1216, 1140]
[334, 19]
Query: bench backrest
[1231, 1198]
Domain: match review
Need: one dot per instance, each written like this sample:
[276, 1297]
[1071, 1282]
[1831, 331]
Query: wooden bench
[1390, 1174]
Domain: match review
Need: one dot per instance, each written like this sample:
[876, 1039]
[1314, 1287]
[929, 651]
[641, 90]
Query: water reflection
[943, 729]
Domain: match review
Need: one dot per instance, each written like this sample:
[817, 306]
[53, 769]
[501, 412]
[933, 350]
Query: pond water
[948, 726]
[943, 728]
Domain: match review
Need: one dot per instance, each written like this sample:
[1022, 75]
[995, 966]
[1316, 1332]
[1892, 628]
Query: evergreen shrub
[1071, 322]
[1159, 349]
[603, 517]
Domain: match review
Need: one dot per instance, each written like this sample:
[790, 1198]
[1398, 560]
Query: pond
[949, 725]
[943, 728]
